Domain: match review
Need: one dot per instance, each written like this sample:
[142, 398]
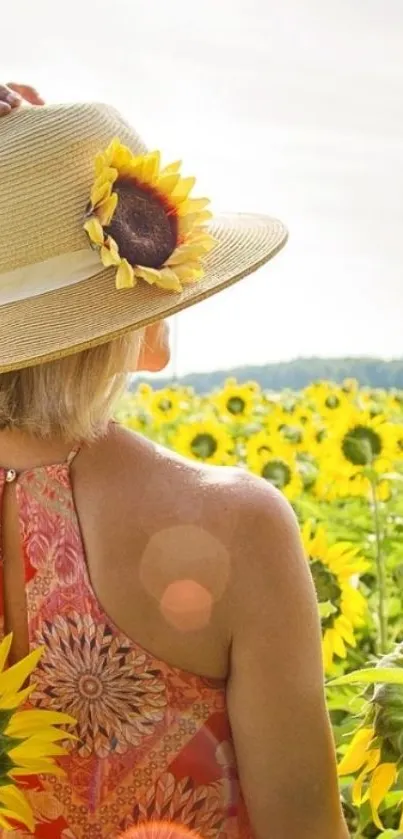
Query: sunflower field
[336, 452]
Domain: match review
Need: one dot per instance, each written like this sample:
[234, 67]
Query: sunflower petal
[110, 257]
[29, 722]
[189, 273]
[193, 205]
[168, 280]
[105, 211]
[13, 800]
[94, 230]
[5, 647]
[172, 168]
[151, 166]
[100, 192]
[357, 752]
[382, 779]
[193, 220]
[125, 275]
[167, 183]
[183, 189]
[149, 275]
[12, 679]
[34, 748]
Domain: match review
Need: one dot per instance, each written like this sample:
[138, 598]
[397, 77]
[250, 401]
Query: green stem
[381, 575]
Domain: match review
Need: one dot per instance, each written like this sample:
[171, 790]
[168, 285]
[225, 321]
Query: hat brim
[91, 312]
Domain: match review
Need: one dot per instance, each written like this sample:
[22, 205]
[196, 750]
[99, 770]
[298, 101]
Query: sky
[287, 108]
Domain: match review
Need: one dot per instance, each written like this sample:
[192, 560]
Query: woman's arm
[281, 730]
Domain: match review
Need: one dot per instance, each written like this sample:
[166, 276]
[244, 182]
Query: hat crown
[46, 172]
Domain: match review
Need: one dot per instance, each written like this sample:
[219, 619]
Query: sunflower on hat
[143, 221]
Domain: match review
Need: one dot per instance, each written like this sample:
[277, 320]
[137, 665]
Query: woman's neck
[19, 450]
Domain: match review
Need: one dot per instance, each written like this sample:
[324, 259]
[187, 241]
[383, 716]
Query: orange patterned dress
[154, 741]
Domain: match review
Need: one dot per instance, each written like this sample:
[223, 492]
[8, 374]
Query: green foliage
[371, 372]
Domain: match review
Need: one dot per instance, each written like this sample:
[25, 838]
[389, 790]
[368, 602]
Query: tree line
[296, 374]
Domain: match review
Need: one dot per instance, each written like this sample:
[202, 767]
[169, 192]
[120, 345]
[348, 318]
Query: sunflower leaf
[326, 609]
[370, 676]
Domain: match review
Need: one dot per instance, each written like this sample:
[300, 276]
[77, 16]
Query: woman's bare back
[157, 546]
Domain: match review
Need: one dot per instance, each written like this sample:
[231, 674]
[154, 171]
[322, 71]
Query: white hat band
[50, 275]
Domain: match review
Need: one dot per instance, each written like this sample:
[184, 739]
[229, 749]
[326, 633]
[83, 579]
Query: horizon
[292, 130]
[170, 374]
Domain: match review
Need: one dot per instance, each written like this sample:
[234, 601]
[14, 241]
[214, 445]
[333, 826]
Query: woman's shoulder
[227, 500]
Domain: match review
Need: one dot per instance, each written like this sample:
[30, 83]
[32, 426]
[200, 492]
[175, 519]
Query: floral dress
[154, 741]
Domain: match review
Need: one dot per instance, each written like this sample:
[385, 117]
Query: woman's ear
[155, 352]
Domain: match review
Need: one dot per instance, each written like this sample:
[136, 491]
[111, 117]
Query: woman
[173, 600]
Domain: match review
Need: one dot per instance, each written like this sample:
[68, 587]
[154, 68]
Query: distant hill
[296, 374]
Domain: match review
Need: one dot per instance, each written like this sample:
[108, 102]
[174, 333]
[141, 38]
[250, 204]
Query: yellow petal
[382, 779]
[150, 275]
[35, 748]
[38, 766]
[168, 280]
[12, 679]
[100, 164]
[106, 210]
[357, 752]
[188, 253]
[100, 192]
[10, 701]
[117, 154]
[357, 789]
[166, 184]
[172, 168]
[5, 647]
[5, 815]
[125, 275]
[182, 190]
[189, 273]
[193, 220]
[339, 645]
[26, 723]
[151, 166]
[94, 229]
[109, 257]
[193, 205]
[14, 799]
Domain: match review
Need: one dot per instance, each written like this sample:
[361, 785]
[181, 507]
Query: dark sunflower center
[236, 405]
[277, 472]
[292, 433]
[204, 445]
[327, 588]
[144, 232]
[332, 401]
[361, 445]
[165, 405]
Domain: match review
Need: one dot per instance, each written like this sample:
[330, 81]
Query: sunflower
[29, 738]
[356, 442]
[333, 568]
[160, 198]
[278, 465]
[259, 445]
[207, 441]
[364, 754]
[165, 405]
[235, 401]
[375, 753]
[329, 400]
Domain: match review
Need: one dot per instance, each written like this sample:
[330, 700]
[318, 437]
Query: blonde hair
[72, 397]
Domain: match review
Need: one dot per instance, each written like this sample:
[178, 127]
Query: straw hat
[73, 200]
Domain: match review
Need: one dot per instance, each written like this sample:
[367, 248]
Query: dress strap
[70, 457]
